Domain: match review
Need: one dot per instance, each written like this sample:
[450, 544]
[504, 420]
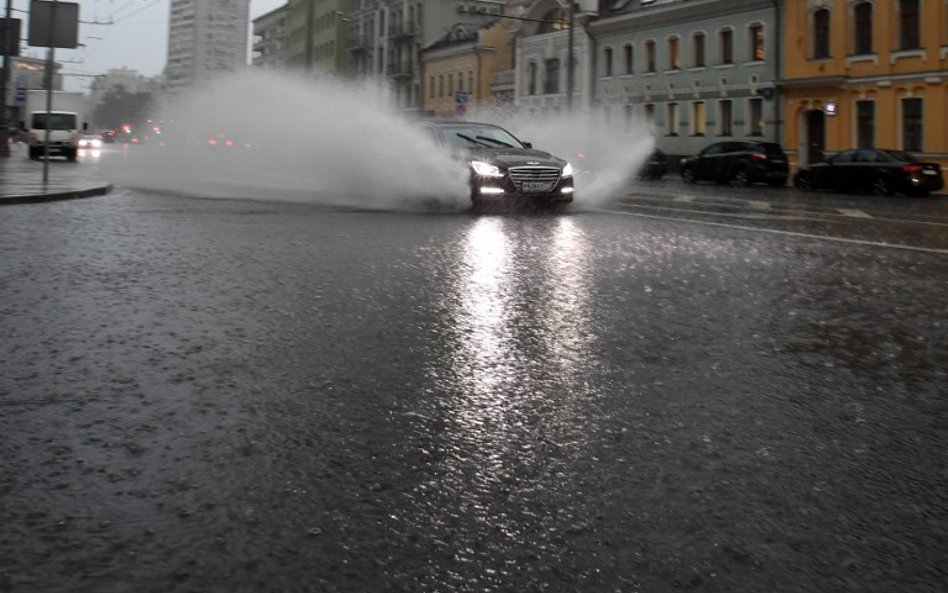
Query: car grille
[538, 174]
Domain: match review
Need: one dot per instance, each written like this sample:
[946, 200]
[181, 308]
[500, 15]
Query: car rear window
[771, 148]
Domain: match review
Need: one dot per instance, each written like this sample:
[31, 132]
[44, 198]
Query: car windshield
[57, 121]
[900, 155]
[466, 137]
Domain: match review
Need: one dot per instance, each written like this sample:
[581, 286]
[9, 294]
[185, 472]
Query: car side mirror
[528, 144]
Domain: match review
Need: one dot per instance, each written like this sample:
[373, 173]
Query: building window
[726, 119]
[756, 42]
[865, 124]
[450, 84]
[650, 55]
[674, 54]
[697, 43]
[862, 14]
[674, 126]
[431, 87]
[607, 60]
[650, 112]
[552, 84]
[532, 80]
[699, 119]
[821, 34]
[470, 81]
[627, 58]
[726, 43]
[756, 114]
[440, 85]
[912, 124]
[629, 117]
[909, 24]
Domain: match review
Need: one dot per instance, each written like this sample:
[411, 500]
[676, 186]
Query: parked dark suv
[739, 163]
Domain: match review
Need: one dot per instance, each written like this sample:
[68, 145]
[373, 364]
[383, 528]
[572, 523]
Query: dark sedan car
[740, 163]
[882, 172]
[503, 169]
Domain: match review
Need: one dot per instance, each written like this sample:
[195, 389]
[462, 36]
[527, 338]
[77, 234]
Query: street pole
[570, 63]
[50, 65]
[7, 52]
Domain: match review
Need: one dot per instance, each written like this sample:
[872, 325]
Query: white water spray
[263, 135]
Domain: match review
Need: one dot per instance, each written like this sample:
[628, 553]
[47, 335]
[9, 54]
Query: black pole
[5, 83]
[570, 63]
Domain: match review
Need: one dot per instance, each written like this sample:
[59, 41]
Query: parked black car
[503, 169]
[655, 167]
[882, 172]
[740, 163]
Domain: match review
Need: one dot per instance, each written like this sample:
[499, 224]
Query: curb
[69, 194]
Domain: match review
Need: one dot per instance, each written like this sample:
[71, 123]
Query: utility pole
[570, 62]
[5, 82]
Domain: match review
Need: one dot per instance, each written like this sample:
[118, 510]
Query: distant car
[740, 163]
[655, 167]
[503, 169]
[883, 172]
[87, 141]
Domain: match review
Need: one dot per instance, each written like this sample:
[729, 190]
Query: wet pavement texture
[216, 395]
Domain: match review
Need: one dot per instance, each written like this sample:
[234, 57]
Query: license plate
[930, 172]
[537, 186]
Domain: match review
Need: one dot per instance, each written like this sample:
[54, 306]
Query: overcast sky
[138, 39]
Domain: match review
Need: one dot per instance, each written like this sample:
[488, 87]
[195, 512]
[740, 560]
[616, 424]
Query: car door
[840, 170]
[707, 159]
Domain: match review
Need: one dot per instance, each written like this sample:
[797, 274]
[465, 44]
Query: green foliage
[119, 107]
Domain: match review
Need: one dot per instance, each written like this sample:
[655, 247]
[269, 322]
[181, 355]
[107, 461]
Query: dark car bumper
[923, 182]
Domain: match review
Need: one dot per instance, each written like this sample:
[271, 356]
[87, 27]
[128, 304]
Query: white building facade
[205, 38]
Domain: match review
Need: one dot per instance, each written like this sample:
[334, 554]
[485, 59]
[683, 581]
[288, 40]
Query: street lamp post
[570, 62]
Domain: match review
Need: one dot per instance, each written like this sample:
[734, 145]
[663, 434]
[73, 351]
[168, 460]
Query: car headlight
[568, 170]
[486, 169]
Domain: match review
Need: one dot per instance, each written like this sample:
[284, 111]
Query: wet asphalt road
[249, 396]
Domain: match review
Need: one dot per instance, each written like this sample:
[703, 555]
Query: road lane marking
[685, 199]
[853, 213]
[759, 205]
[785, 233]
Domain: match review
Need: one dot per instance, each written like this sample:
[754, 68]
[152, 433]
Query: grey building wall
[205, 38]
[746, 83]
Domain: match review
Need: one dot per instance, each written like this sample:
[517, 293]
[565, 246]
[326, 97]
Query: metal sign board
[54, 24]
[13, 39]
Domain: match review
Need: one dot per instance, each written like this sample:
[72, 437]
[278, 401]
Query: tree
[119, 107]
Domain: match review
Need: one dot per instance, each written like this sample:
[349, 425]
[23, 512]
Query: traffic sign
[460, 96]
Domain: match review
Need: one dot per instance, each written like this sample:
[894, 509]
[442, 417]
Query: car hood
[516, 157]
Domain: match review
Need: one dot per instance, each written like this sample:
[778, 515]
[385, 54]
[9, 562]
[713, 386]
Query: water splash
[267, 135]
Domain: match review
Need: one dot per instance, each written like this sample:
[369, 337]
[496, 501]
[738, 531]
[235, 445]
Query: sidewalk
[21, 180]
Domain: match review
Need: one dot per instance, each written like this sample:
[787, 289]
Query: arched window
[555, 20]
[821, 34]
[908, 25]
[862, 17]
[552, 84]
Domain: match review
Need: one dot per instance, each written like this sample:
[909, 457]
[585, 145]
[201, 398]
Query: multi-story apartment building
[318, 31]
[457, 70]
[698, 70]
[386, 37]
[544, 31]
[270, 39]
[205, 38]
[866, 73]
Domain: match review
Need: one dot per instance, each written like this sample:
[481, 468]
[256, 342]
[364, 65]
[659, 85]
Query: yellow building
[866, 73]
[456, 69]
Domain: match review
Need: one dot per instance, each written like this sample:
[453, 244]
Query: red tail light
[912, 168]
[758, 157]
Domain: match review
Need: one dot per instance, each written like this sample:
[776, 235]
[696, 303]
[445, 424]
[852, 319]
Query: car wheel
[881, 187]
[741, 178]
[687, 175]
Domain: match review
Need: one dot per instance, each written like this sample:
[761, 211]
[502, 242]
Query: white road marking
[685, 199]
[759, 205]
[853, 213]
[785, 233]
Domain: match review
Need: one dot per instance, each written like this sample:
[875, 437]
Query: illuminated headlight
[95, 143]
[486, 169]
[568, 170]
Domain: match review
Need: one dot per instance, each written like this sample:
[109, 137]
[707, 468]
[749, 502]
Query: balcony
[396, 70]
[402, 31]
[359, 43]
